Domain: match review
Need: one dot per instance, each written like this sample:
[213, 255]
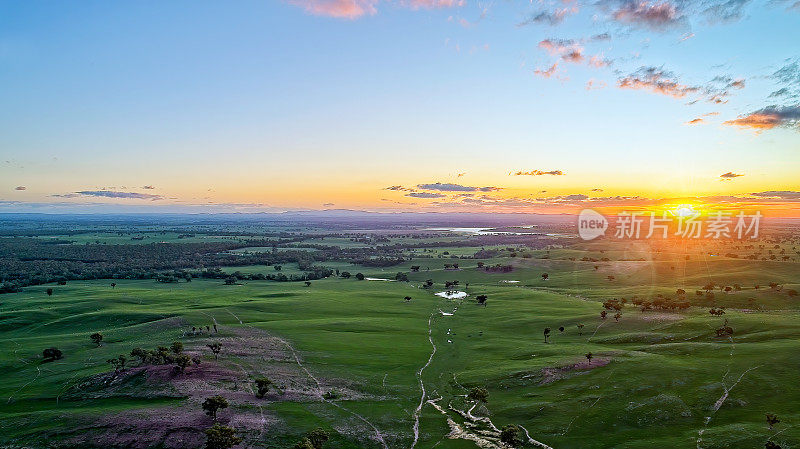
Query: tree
[139, 353]
[215, 348]
[479, 394]
[561, 328]
[176, 347]
[49, 292]
[481, 299]
[772, 419]
[360, 276]
[545, 276]
[589, 357]
[346, 274]
[771, 445]
[318, 437]
[546, 334]
[511, 435]
[603, 314]
[221, 437]
[580, 329]
[262, 387]
[51, 354]
[113, 285]
[680, 291]
[213, 404]
[308, 283]
[182, 361]
[118, 362]
[617, 316]
[407, 298]
[96, 337]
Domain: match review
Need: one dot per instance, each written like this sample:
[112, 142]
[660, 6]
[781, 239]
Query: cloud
[432, 4]
[656, 80]
[113, 194]
[655, 15]
[597, 190]
[546, 73]
[148, 187]
[601, 37]
[449, 187]
[425, 195]
[780, 194]
[576, 197]
[551, 18]
[538, 173]
[768, 118]
[569, 51]
[328, 204]
[594, 84]
[696, 121]
[725, 11]
[353, 9]
[730, 175]
[343, 9]
[398, 188]
[20, 188]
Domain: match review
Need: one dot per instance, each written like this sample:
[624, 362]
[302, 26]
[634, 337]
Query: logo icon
[591, 224]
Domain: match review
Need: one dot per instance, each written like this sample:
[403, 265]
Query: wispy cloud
[537, 173]
[730, 175]
[115, 194]
[20, 188]
[779, 194]
[654, 15]
[449, 187]
[554, 17]
[353, 9]
[656, 80]
[344, 9]
[769, 118]
[426, 195]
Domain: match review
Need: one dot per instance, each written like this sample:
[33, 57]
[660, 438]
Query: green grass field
[654, 380]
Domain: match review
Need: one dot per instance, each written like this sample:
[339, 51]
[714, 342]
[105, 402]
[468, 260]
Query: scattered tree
[589, 357]
[96, 337]
[546, 334]
[580, 329]
[176, 347]
[213, 404]
[215, 348]
[479, 394]
[182, 361]
[51, 354]
[221, 437]
[49, 292]
[262, 387]
[511, 435]
[772, 419]
[118, 362]
[545, 276]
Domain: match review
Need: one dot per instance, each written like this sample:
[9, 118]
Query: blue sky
[278, 105]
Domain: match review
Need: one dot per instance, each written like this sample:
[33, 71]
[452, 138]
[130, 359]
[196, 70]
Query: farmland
[388, 363]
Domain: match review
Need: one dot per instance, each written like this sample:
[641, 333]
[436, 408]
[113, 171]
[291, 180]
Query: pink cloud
[353, 9]
[343, 9]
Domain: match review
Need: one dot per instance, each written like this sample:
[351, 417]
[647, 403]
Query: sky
[403, 105]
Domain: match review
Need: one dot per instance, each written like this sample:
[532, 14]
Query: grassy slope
[662, 377]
